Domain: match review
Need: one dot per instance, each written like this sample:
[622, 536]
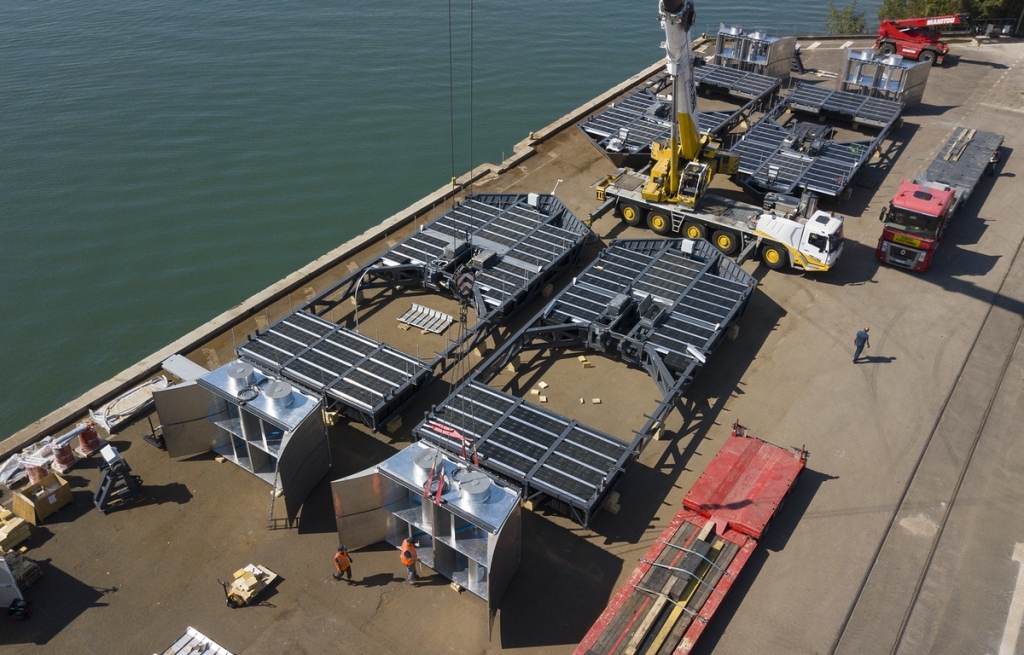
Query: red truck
[917, 38]
[667, 601]
[919, 214]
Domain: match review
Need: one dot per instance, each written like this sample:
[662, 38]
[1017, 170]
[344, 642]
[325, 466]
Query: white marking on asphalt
[921, 525]
[846, 45]
[1015, 110]
[814, 45]
[1016, 614]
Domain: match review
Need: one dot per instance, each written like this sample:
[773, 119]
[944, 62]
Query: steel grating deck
[528, 241]
[852, 106]
[334, 361]
[735, 82]
[784, 159]
[538, 449]
[700, 293]
[632, 124]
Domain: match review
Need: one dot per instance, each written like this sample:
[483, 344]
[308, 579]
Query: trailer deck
[679, 584]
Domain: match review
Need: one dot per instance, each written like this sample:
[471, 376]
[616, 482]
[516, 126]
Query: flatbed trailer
[917, 218]
[667, 601]
[802, 237]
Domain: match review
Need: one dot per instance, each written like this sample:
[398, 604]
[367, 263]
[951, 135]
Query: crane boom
[677, 17]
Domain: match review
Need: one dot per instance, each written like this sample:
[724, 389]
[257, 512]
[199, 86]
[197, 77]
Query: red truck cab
[914, 223]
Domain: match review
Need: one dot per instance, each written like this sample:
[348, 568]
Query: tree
[844, 21]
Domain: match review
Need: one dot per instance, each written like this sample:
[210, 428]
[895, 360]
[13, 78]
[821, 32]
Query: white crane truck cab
[795, 233]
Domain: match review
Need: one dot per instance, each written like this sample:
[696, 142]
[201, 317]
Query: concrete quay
[900, 536]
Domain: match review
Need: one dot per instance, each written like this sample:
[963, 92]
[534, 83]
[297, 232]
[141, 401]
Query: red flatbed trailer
[667, 601]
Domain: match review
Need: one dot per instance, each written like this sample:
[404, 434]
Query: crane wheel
[693, 230]
[725, 241]
[659, 222]
[927, 57]
[631, 214]
[886, 49]
[773, 257]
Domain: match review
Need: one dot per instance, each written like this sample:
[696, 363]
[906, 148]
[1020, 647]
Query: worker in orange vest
[343, 562]
[409, 558]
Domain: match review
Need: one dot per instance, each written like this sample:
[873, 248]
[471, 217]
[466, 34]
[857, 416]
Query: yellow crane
[703, 157]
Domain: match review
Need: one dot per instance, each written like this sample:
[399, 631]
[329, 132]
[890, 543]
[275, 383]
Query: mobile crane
[703, 157]
[784, 232]
[916, 38]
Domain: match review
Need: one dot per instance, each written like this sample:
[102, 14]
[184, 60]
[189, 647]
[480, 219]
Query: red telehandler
[916, 38]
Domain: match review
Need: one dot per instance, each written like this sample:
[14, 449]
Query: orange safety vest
[408, 553]
[342, 561]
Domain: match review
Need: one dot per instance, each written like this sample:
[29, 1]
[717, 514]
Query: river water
[162, 161]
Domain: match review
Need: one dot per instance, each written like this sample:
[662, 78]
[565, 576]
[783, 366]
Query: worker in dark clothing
[860, 341]
[409, 558]
[343, 564]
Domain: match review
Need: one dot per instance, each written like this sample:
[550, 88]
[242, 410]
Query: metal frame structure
[756, 51]
[891, 77]
[515, 244]
[803, 156]
[624, 131]
[663, 304]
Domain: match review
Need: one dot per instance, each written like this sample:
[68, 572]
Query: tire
[725, 241]
[659, 222]
[886, 49]
[631, 214]
[927, 57]
[694, 230]
[774, 257]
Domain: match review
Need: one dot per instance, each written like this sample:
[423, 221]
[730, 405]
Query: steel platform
[369, 379]
[625, 131]
[804, 156]
[663, 305]
[862, 110]
[543, 452]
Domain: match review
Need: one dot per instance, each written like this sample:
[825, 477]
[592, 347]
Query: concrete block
[543, 399]
[595, 401]
[514, 365]
[543, 385]
[548, 291]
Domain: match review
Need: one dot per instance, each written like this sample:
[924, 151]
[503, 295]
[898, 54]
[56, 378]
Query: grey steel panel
[183, 411]
[504, 557]
[305, 459]
[359, 502]
[183, 368]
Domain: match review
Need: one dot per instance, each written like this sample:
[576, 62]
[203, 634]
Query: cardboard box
[37, 501]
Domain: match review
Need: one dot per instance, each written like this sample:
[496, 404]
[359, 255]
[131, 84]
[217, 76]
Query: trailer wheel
[886, 49]
[659, 222]
[725, 241]
[692, 230]
[631, 214]
[927, 57]
[774, 257]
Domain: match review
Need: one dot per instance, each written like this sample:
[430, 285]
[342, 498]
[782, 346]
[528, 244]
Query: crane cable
[451, 94]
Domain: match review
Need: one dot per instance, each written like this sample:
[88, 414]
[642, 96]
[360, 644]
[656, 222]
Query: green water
[162, 161]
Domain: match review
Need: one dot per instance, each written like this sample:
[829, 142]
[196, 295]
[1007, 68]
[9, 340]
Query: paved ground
[889, 442]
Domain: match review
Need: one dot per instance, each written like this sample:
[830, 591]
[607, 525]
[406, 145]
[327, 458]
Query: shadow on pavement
[561, 587]
[69, 598]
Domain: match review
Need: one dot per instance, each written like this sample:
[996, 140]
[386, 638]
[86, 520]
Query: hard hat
[342, 549]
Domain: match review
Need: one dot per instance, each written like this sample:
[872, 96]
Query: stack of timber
[13, 530]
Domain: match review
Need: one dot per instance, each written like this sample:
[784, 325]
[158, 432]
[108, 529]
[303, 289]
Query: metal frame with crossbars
[514, 244]
[662, 305]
